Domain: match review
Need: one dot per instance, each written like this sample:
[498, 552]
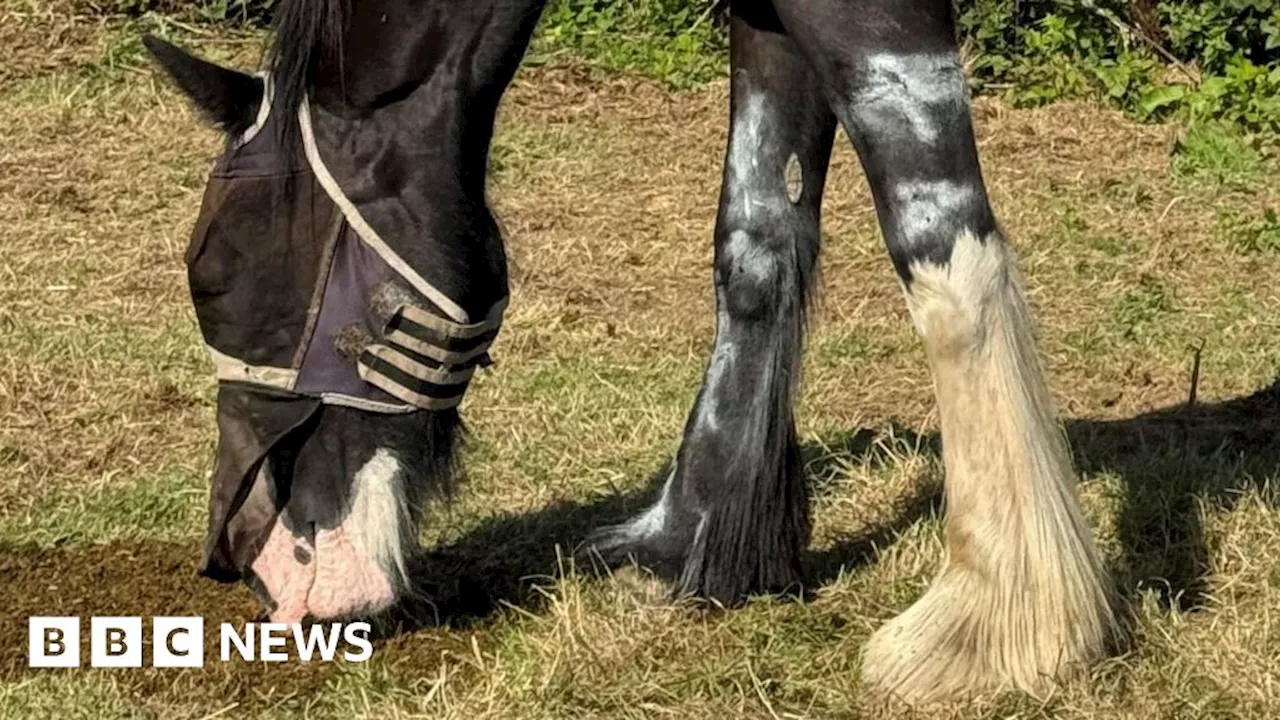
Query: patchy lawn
[1136, 257]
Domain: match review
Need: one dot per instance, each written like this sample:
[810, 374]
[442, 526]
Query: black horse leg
[1022, 597]
[733, 517]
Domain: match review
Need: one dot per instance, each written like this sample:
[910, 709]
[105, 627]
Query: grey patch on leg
[722, 359]
[647, 524]
[794, 177]
[930, 208]
[910, 95]
[301, 555]
[657, 535]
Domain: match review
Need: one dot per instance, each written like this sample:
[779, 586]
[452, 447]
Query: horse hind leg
[1022, 597]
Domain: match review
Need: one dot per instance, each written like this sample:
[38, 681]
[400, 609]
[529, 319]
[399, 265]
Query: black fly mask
[303, 305]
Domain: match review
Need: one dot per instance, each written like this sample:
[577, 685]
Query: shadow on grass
[1168, 460]
[504, 559]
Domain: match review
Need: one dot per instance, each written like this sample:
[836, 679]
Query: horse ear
[228, 98]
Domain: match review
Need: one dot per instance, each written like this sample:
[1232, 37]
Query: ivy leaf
[1160, 97]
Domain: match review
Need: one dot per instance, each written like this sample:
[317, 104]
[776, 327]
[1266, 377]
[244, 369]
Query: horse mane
[306, 33]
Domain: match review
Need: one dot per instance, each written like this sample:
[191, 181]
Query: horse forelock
[306, 33]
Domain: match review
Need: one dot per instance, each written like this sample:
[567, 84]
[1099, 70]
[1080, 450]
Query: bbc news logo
[117, 642]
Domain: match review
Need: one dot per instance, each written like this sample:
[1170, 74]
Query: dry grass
[607, 188]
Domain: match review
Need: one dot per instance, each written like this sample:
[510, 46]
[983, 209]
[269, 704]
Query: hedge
[1214, 59]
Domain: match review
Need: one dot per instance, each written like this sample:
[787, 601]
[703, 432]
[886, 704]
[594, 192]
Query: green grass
[167, 506]
[1218, 153]
[1249, 234]
[78, 699]
[1135, 314]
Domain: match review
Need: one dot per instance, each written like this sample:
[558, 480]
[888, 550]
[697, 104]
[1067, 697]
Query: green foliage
[123, 50]
[679, 41]
[1208, 61]
[1214, 60]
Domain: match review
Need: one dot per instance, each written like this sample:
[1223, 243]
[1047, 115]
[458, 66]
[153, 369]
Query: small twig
[1195, 376]
[221, 712]
[163, 20]
[1128, 31]
[1169, 207]
[706, 15]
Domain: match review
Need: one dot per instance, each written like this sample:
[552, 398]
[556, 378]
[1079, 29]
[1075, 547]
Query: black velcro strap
[427, 360]
[393, 372]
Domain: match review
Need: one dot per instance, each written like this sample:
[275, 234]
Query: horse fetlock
[719, 535]
[742, 547]
[659, 538]
[947, 643]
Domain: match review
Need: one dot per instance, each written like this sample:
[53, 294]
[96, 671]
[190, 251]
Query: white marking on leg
[750, 257]
[379, 514]
[744, 149]
[909, 89]
[757, 267]
[922, 206]
[749, 192]
[696, 560]
[652, 521]
[722, 360]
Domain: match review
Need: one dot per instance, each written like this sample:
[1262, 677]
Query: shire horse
[348, 277]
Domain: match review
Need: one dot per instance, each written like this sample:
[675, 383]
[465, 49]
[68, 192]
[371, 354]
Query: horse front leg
[1022, 596]
[733, 516]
